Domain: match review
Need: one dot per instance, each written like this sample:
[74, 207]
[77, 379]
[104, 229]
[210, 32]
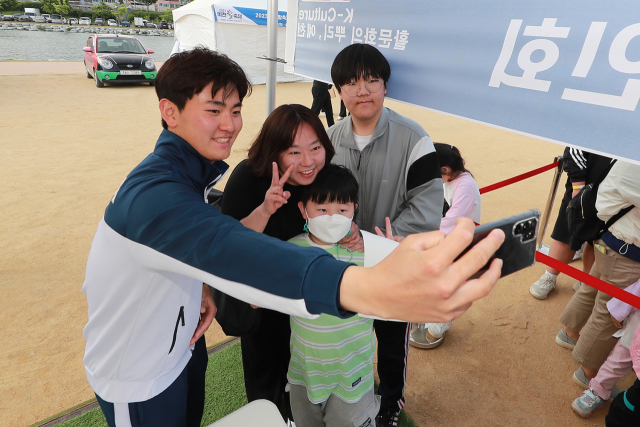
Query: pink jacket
[622, 311]
[634, 350]
[626, 314]
[463, 195]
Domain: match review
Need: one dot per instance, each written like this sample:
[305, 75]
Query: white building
[163, 5]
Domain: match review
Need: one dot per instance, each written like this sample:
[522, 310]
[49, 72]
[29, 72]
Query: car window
[89, 44]
[119, 45]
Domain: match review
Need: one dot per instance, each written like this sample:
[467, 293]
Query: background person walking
[322, 100]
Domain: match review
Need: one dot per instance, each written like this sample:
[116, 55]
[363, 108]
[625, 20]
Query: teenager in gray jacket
[399, 176]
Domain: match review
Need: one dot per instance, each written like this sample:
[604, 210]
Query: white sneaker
[323, 114]
[541, 287]
[339, 118]
[436, 330]
[578, 253]
[586, 404]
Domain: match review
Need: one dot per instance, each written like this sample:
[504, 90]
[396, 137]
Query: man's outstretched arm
[420, 282]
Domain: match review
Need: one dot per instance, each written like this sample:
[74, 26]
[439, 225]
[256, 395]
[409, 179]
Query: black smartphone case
[518, 250]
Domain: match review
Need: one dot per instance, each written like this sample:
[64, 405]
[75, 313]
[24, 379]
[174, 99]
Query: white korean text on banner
[567, 72]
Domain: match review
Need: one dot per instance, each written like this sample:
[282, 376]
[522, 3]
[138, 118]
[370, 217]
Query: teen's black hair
[450, 156]
[185, 75]
[359, 60]
[333, 184]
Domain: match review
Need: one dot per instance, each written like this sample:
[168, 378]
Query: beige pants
[587, 311]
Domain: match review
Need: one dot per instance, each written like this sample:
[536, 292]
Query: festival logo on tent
[229, 15]
[245, 16]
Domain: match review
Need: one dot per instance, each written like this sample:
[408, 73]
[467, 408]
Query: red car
[118, 59]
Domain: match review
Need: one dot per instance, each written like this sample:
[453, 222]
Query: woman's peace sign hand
[275, 195]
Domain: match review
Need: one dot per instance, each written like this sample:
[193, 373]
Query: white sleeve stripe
[422, 148]
[580, 153]
[121, 414]
[151, 258]
[576, 158]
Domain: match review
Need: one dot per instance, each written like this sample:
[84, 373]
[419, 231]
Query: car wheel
[152, 83]
[98, 81]
[86, 70]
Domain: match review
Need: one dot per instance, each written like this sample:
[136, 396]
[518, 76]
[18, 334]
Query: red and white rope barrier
[588, 279]
[518, 178]
[573, 272]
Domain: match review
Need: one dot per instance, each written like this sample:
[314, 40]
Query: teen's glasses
[353, 88]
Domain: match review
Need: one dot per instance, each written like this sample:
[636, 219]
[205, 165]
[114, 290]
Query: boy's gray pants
[333, 412]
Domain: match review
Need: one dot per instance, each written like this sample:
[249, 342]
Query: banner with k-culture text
[567, 72]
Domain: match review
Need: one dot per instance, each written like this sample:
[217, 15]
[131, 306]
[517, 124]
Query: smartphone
[518, 250]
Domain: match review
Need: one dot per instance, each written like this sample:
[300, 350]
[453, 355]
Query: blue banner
[567, 72]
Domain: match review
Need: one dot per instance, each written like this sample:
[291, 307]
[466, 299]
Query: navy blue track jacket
[156, 245]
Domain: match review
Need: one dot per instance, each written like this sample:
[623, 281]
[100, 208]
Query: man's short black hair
[334, 184]
[359, 60]
[186, 74]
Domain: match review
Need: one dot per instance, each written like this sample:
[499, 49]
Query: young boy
[399, 175]
[331, 369]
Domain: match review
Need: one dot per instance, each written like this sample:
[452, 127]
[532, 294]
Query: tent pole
[272, 53]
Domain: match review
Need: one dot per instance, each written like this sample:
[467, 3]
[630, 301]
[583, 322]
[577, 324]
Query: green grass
[225, 384]
[91, 418]
[224, 392]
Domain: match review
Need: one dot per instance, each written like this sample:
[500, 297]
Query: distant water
[21, 45]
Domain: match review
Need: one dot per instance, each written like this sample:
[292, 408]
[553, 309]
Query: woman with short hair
[263, 193]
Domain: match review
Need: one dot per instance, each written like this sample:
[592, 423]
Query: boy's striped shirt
[331, 355]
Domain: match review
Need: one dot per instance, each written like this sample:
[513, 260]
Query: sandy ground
[65, 146]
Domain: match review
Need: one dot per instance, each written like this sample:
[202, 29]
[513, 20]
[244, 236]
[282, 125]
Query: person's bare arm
[273, 199]
[420, 282]
[575, 191]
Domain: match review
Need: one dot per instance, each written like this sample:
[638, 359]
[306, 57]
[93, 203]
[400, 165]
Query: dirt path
[65, 146]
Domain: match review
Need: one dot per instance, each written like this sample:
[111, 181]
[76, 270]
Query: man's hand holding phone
[420, 282]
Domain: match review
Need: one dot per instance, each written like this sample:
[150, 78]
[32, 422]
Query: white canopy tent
[243, 38]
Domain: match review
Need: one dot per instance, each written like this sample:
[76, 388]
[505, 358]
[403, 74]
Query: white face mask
[329, 228]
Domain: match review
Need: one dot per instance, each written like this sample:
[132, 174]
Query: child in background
[331, 369]
[460, 189]
[462, 196]
[619, 362]
[625, 408]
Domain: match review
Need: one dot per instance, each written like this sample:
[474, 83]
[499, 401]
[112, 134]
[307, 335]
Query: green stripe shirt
[331, 355]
